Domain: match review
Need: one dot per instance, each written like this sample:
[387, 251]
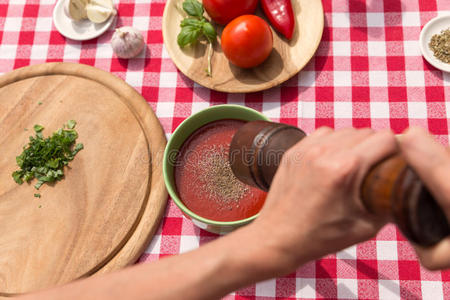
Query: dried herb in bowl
[440, 45]
[45, 158]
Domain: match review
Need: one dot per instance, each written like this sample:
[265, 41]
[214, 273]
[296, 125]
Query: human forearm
[312, 209]
[212, 271]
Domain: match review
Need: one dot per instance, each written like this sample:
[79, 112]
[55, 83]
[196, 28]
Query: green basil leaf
[188, 35]
[193, 8]
[191, 22]
[209, 31]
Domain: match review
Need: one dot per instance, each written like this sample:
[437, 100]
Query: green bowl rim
[172, 190]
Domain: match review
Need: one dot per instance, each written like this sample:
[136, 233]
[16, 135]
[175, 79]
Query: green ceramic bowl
[184, 130]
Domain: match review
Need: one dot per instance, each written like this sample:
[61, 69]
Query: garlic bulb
[127, 42]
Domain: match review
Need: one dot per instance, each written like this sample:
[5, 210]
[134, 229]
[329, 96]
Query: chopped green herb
[40, 206]
[37, 195]
[38, 128]
[39, 102]
[45, 158]
[38, 184]
[71, 124]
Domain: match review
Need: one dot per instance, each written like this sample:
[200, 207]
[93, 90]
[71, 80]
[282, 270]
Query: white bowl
[78, 30]
[434, 26]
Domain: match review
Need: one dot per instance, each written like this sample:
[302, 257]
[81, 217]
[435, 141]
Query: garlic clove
[98, 11]
[127, 42]
[98, 14]
[103, 3]
[77, 9]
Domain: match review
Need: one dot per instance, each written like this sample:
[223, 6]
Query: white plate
[434, 26]
[78, 30]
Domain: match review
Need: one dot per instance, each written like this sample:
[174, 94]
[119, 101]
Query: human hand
[431, 161]
[313, 207]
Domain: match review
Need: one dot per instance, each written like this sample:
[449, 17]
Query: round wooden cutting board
[286, 59]
[102, 215]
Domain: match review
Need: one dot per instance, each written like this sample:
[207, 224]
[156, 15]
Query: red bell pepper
[280, 15]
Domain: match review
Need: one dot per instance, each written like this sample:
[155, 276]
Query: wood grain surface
[286, 59]
[102, 215]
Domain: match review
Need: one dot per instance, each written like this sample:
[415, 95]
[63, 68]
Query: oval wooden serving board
[286, 59]
[102, 215]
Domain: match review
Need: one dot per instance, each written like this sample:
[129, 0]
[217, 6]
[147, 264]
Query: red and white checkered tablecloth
[368, 72]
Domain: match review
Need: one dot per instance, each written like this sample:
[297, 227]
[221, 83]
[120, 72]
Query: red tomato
[247, 41]
[223, 11]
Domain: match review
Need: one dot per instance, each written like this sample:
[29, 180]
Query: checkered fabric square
[367, 72]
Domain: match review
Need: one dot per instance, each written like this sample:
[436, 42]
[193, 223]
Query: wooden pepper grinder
[390, 188]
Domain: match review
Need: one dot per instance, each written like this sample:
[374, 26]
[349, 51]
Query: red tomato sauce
[204, 180]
